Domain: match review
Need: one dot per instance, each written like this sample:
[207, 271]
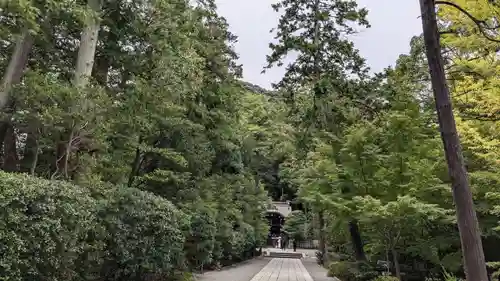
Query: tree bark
[10, 157]
[30, 155]
[357, 242]
[12, 76]
[135, 167]
[83, 70]
[16, 66]
[470, 237]
[88, 44]
[396, 263]
[322, 242]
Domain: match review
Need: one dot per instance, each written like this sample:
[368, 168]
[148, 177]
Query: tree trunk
[83, 70]
[88, 43]
[30, 155]
[396, 263]
[12, 76]
[135, 167]
[357, 243]
[16, 66]
[470, 237]
[322, 242]
[10, 157]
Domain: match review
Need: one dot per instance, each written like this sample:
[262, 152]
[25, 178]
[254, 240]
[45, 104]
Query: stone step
[285, 255]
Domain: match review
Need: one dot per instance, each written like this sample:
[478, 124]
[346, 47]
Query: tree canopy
[132, 118]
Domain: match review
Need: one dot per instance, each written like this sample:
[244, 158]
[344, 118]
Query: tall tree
[474, 260]
[316, 30]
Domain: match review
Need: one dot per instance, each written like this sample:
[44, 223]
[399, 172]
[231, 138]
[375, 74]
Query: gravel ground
[241, 272]
[318, 273]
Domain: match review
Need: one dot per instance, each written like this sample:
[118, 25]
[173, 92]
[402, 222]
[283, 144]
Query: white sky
[393, 22]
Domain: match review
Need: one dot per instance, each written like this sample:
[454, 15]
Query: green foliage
[341, 270]
[351, 271]
[56, 230]
[144, 235]
[295, 225]
[201, 152]
[201, 238]
[45, 229]
[386, 278]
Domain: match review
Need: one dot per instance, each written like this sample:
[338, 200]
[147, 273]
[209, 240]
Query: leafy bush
[144, 235]
[45, 229]
[243, 243]
[200, 242]
[351, 271]
[53, 230]
[386, 278]
[342, 270]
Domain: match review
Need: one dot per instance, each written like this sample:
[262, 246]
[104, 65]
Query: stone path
[264, 269]
[242, 272]
[283, 270]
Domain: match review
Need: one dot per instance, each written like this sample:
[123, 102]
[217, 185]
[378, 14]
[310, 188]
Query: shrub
[243, 243]
[386, 278]
[144, 235]
[351, 271]
[201, 238]
[53, 230]
[342, 270]
[45, 229]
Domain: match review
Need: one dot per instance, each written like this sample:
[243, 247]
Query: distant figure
[278, 244]
[294, 245]
[284, 242]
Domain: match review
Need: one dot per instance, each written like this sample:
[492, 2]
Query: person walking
[284, 242]
[294, 245]
[278, 244]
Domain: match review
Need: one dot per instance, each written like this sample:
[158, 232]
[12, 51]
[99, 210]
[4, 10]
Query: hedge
[53, 230]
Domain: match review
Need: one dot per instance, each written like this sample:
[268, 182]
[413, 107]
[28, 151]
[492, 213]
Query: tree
[315, 31]
[396, 220]
[295, 225]
[474, 260]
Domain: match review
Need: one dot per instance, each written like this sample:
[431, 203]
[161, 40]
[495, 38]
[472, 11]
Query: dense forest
[132, 150]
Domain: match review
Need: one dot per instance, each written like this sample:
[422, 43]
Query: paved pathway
[242, 272]
[265, 269]
[283, 270]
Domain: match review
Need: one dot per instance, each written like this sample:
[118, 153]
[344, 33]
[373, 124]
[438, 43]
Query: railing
[307, 244]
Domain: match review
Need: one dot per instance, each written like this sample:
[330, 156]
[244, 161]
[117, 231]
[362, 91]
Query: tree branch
[481, 24]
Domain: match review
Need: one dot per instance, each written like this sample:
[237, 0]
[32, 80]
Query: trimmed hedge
[53, 230]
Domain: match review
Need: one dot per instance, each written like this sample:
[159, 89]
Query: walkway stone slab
[283, 270]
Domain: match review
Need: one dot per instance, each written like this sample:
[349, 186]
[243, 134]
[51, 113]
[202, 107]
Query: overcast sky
[393, 22]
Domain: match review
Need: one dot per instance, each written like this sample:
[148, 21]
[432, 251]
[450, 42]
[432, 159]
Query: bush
[351, 271]
[200, 242]
[45, 229]
[342, 270]
[386, 278]
[144, 235]
[53, 230]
